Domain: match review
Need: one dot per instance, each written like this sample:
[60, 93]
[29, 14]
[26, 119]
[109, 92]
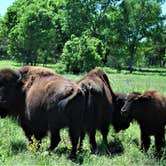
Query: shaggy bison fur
[102, 106]
[149, 110]
[44, 101]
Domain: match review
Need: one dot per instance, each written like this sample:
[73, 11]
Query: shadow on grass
[147, 72]
[114, 148]
[18, 147]
[66, 152]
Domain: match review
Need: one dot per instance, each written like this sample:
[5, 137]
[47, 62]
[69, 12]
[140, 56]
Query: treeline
[82, 34]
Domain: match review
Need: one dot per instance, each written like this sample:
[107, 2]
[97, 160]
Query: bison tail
[62, 104]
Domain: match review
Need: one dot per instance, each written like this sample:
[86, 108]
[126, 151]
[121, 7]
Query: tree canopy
[84, 34]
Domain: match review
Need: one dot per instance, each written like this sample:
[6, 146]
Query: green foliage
[35, 31]
[3, 43]
[60, 68]
[82, 54]
[139, 19]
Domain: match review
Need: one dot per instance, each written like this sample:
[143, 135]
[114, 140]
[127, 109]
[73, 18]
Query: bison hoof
[72, 156]
[80, 149]
[94, 149]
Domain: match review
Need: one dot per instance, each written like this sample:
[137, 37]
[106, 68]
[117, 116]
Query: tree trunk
[34, 57]
[105, 59]
[45, 61]
[161, 55]
[132, 50]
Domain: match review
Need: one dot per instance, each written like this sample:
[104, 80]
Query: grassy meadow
[124, 146]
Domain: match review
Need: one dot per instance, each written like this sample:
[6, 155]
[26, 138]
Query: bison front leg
[159, 140]
[55, 139]
[74, 136]
[82, 136]
[28, 132]
[93, 140]
[104, 132]
[145, 141]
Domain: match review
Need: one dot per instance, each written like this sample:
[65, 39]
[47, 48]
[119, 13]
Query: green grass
[124, 146]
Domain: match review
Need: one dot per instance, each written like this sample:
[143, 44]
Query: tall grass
[124, 146]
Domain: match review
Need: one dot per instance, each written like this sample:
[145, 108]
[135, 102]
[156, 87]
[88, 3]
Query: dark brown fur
[149, 110]
[118, 121]
[11, 95]
[100, 110]
[30, 74]
[44, 101]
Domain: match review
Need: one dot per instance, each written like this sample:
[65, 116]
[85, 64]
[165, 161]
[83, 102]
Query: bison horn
[19, 76]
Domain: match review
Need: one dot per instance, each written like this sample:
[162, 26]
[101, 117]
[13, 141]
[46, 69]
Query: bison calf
[149, 110]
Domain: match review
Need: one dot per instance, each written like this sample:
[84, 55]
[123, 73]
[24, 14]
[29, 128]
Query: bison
[102, 107]
[44, 101]
[149, 110]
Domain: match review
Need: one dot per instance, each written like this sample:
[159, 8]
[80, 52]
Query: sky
[4, 4]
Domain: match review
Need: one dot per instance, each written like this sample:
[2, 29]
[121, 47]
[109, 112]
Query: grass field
[124, 146]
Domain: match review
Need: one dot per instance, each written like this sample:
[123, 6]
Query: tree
[37, 30]
[139, 19]
[155, 47]
[159, 43]
[34, 32]
[82, 53]
[34, 28]
[3, 43]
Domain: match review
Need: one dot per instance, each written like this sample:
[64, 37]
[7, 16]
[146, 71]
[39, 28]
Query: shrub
[60, 68]
[82, 54]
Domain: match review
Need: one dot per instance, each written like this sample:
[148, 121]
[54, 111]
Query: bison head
[10, 90]
[131, 105]
[119, 122]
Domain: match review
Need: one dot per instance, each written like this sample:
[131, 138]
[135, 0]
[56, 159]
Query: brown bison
[149, 110]
[102, 106]
[44, 101]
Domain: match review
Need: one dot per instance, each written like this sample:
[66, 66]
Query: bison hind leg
[55, 139]
[28, 132]
[74, 137]
[104, 132]
[40, 134]
[82, 136]
[159, 140]
[93, 140]
[145, 142]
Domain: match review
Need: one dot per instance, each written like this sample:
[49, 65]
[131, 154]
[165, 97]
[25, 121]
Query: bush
[82, 54]
[60, 68]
